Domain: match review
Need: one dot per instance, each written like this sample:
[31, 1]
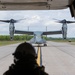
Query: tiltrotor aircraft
[38, 35]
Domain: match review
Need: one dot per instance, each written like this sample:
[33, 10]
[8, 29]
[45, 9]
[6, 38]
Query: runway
[58, 58]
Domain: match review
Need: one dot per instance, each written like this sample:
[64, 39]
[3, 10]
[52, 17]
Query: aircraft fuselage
[38, 38]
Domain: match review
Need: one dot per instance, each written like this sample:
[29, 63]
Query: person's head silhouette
[25, 50]
[25, 61]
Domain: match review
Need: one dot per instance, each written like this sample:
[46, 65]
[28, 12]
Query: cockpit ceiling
[33, 4]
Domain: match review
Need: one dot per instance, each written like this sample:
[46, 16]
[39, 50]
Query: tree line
[26, 37]
[16, 37]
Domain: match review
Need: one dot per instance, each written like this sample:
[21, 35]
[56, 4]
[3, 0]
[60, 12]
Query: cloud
[50, 22]
[37, 20]
[33, 20]
[4, 29]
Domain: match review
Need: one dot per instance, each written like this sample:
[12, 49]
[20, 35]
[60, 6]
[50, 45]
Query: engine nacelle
[64, 31]
[11, 30]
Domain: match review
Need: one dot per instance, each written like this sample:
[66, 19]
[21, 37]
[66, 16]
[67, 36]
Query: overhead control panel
[32, 4]
[38, 5]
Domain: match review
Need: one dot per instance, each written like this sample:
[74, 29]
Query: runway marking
[58, 47]
[56, 58]
[39, 56]
[5, 56]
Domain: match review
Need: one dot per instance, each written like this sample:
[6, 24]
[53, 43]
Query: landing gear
[45, 44]
[11, 38]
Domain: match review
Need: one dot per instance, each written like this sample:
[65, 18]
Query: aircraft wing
[52, 32]
[23, 32]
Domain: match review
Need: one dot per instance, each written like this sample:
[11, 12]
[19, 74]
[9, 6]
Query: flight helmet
[23, 50]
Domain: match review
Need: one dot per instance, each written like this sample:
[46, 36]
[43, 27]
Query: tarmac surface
[58, 58]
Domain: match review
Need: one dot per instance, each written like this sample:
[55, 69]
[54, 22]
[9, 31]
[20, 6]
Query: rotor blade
[56, 19]
[19, 20]
[66, 21]
[7, 21]
[70, 21]
[59, 21]
[63, 21]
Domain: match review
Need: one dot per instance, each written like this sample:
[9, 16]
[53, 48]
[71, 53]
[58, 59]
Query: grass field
[70, 41]
[3, 43]
[73, 43]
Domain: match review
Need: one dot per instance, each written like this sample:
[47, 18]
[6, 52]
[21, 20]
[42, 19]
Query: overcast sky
[37, 20]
